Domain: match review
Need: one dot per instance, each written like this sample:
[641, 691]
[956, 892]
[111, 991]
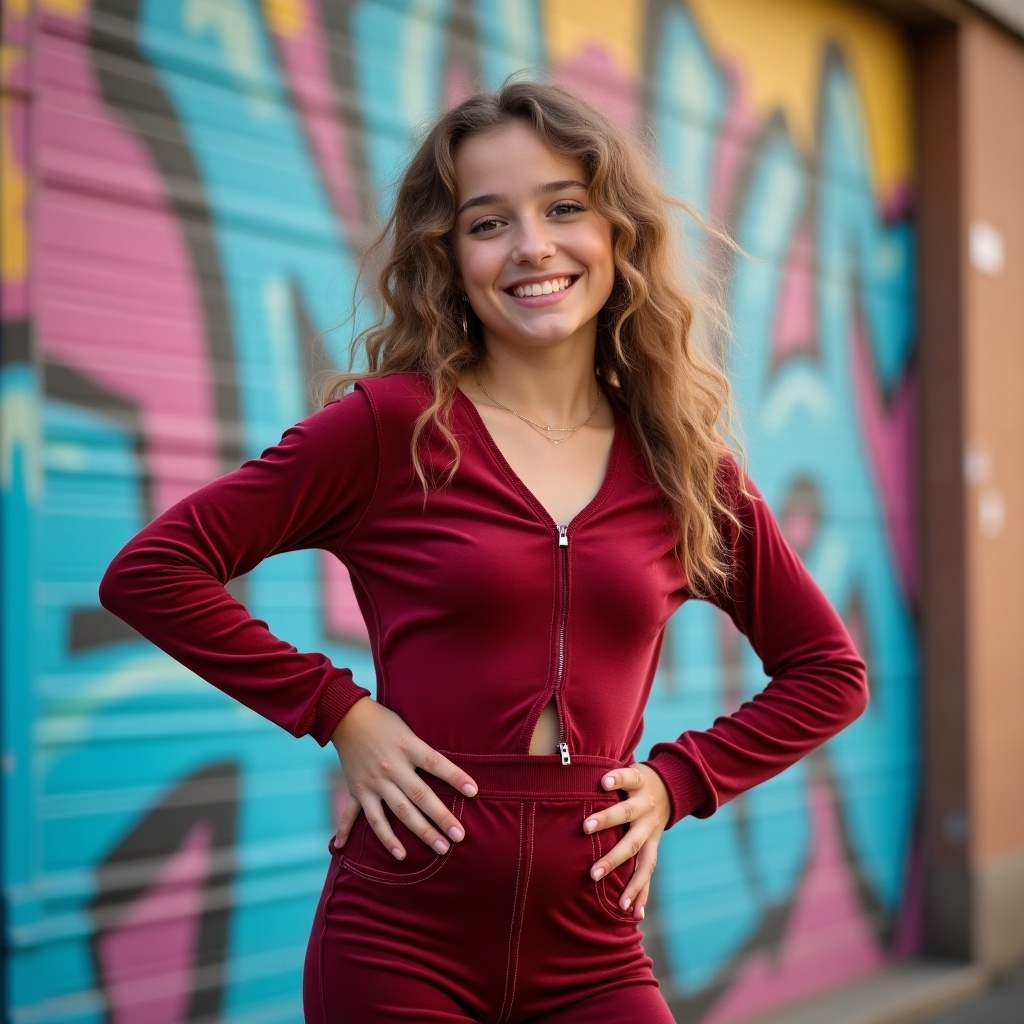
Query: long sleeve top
[480, 609]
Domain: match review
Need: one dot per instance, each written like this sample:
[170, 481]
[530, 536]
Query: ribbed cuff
[339, 696]
[687, 790]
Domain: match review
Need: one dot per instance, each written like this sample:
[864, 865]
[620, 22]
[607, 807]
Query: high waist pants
[506, 927]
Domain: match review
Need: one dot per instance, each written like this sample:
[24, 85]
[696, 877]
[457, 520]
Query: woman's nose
[533, 243]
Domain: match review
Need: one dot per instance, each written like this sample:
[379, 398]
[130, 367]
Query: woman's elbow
[115, 590]
[860, 691]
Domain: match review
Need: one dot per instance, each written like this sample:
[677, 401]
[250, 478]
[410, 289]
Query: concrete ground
[920, 992]
[1002, 1003]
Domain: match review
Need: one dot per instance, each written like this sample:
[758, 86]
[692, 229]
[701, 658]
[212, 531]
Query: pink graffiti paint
[593, 75]
[908, 937]
[888, 429]
[794, 317]
[827, 941]
[148, 959]
[732, 144]
[117, 296]
[344, 618]
[306, 69]
[456, 85]
[799, 527]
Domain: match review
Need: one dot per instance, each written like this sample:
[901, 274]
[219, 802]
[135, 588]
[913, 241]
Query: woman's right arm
[310, 490]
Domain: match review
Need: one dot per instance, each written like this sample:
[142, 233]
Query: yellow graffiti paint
[69, 8]
[13, 186]
[615, 26]
[285, 17]
[780, 48]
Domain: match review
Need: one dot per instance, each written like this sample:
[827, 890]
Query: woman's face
[525, 226]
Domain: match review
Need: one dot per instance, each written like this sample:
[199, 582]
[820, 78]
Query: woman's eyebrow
[495, 197]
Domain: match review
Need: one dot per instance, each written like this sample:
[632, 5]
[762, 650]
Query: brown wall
[971, 88]
[992, 90]
[992, 97]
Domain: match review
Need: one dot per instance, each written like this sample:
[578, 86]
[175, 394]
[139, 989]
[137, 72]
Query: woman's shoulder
[402, 393]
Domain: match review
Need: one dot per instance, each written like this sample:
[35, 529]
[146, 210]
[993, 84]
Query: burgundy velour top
[480, 609]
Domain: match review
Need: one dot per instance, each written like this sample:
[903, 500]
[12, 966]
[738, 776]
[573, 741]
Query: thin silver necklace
[542, 428]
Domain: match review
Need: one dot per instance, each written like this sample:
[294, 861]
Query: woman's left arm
[818, 686]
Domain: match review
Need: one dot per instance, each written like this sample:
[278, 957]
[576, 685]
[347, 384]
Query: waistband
[532, 776]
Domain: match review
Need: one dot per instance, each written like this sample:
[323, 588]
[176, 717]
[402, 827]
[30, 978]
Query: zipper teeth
[563, 535]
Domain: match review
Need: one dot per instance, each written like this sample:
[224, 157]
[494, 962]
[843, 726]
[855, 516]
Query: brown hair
[677, 398]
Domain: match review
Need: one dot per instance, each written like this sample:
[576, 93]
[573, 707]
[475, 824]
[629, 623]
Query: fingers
[623, 813]
[346, 821]
[437, 764]
[640, 903]
[377, 820]
[418, 808]
[637, 891]
[628, 846]
[624, 778]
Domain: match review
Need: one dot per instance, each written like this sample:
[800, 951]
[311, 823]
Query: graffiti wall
[186, 190]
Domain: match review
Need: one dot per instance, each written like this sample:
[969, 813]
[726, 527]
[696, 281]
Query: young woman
[525, 483]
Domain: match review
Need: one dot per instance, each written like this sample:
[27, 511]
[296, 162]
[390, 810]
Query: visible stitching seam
[512, 924]
[323, 935]
[610, 907]
[526, 885]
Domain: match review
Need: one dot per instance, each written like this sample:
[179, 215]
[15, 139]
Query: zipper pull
[563, 749]
[563, 536]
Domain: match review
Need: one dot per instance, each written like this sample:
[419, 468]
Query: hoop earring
[465, 319]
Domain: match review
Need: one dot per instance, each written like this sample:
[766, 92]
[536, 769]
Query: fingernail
[625, 903]
[469, 789]
[590, 825]
[398, 852]
[641, 913]
[455, 833]
[441, 846]
[609, 782]
[597, 873]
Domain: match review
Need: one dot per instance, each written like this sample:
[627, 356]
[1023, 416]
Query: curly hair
[677, 399]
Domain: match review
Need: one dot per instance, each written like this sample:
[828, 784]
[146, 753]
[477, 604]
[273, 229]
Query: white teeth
[544, 288]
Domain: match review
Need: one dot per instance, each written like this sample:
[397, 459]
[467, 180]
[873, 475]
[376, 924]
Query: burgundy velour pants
[507, 927]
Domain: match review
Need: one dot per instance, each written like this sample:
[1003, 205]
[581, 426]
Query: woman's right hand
[379, 755]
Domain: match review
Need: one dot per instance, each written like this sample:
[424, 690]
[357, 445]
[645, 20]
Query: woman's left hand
[646, 812]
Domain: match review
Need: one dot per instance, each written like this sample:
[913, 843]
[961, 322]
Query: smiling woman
[525, 483]
[534, 257]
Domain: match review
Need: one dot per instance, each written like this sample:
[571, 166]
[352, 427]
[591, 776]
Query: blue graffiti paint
[802, 424]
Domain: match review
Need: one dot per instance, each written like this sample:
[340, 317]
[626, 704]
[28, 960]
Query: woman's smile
[534, 258]
[543, 292]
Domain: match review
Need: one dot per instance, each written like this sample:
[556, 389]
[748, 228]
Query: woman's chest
[487, 554]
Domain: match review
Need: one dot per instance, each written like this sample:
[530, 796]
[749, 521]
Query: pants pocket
[611, 887]
[365, 855]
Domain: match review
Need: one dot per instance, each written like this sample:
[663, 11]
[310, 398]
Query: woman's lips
[551, 298]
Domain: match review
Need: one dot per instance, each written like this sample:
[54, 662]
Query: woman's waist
[531, 776]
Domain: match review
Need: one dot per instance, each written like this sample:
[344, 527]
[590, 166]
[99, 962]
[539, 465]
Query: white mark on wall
[987, 249]
[991, 512]
[977, 465]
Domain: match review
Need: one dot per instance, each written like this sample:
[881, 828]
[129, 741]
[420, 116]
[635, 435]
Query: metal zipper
[563, 547]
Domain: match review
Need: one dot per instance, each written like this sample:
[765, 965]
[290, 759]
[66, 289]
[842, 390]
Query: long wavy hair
[676, 397]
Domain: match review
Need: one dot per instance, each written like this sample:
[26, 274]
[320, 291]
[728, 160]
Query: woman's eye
[567, 207]
[484, 225]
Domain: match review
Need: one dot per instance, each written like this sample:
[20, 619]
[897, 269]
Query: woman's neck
[552, 387]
